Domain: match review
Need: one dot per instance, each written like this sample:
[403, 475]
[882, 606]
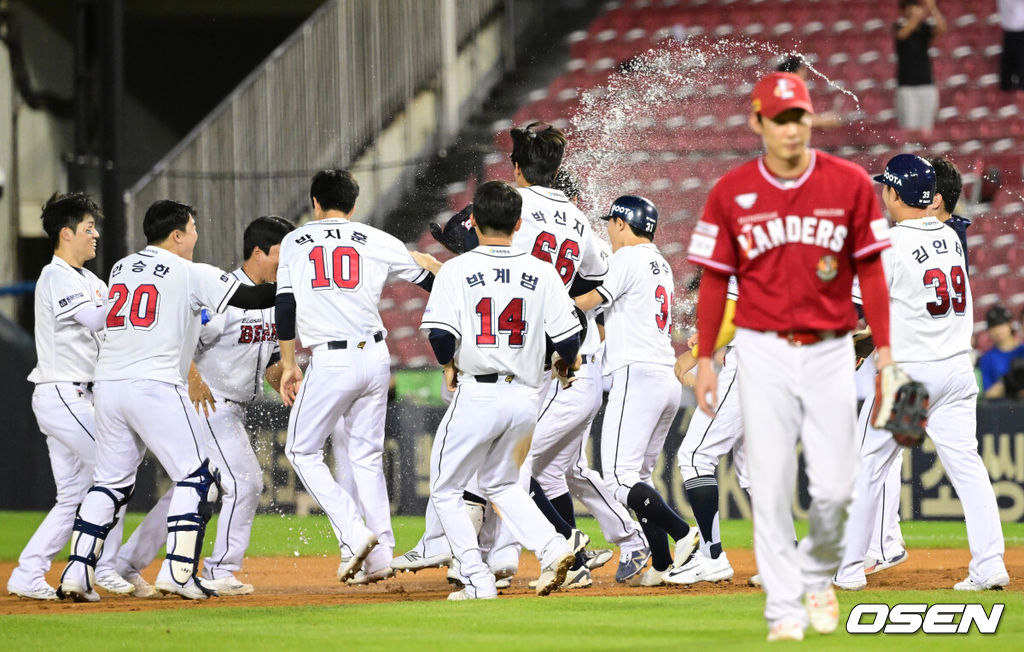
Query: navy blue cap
[638, 212]
[912, 177]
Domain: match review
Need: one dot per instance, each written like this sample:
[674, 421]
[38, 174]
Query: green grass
[291, 535]
[577, 622]
[574, 623]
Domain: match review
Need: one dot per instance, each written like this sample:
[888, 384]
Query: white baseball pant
[793, 394]
[478, 435]
[642, 403]
[349, 384]
[952, 426]
[65, 414]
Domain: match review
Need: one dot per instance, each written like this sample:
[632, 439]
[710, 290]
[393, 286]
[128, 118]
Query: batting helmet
[912, 177]
[457, 235]
[638, 212]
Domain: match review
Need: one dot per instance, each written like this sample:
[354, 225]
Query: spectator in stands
[917, 97]
[998, 364]
[796, 64]
[948, 186]
[1011, 64]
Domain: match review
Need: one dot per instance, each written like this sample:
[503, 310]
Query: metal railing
[319, 100]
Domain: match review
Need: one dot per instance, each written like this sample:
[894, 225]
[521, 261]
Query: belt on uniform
[584, 359]
[344, 344]
[800, 338]
[493, 378]
[86, 386]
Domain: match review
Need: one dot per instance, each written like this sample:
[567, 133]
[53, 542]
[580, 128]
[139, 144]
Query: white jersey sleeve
[560, 321]
[401, 266]
[444, 306]
[594, 258]
[211, 287]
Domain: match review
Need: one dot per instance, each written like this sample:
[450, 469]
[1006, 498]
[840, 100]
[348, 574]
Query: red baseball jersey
[792, 243]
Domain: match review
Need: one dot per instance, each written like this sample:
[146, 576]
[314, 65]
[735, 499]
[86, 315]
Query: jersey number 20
[945, 299]
[141, 314]
[509, 321]
[342, 270]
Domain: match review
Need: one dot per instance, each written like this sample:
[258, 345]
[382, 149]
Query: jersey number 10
[342, 270]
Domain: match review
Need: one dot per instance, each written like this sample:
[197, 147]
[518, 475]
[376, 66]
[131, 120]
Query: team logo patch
[784, 89]
[828, 267]
[880, 229]
[746, 200]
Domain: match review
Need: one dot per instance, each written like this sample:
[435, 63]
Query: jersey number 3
[945, 299]
[664, 299]
[509, 321]
[142, 313]
[342, 270]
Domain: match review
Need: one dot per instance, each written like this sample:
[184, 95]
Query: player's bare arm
[273, 375]
[199, 392]
[426, 261]
[291, 375]
[589, 301]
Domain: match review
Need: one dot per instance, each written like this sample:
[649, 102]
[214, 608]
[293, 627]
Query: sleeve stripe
[423, 275]
[871, 248]
[707, 262]
[608, 298]
[442, 325]
[227, 296]
[566, 334]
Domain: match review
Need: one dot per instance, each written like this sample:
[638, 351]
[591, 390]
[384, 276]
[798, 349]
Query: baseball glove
[901, 406]
[863, 345]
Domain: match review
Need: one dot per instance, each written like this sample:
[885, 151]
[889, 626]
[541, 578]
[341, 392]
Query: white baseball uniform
[556, 231]
[152, 328]
[932, 320]
[645, 394]
[336, 270]
[62, 402]
[498, 302]
[235, 348]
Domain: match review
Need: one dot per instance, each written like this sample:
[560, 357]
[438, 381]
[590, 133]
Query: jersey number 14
[510, 321]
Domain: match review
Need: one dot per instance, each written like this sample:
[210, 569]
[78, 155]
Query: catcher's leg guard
[97, 514]
[190, 510]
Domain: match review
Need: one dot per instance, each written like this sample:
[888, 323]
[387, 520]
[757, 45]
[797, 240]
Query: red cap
[780, 91]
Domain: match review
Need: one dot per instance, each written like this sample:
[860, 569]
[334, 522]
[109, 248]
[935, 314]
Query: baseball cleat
[849, 585]
[630, 565]
[349, 566]
[413, 561]
[597, 558]
[363, 578]
[552, 576]
[463, 595]
[574, 579]
[43, 592]
[114, 583]
[786, 631]
[822, 610]
[701, 568]
[229, 585]
[194, 590]
[504, 583]
[143, 589]
[755, 581]
[578, 541]
[454, 574]
[872, 566]
[649, 577]
[72, 590]
[994, 583]
[685, 547]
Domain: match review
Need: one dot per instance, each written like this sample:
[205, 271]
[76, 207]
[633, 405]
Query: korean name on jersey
[67, 350]
[556, 231]
[235, 348]
[500, 302]
[638, 292]
[931, 307]
[337, 269]
[154, 314]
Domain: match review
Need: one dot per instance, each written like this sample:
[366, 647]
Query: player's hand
[291, 378]
[200, 395]
[684, 363]
[426, 261]
[451, 377]
[691, 341]
[706, 388]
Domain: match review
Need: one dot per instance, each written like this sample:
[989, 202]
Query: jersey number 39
[947, 295]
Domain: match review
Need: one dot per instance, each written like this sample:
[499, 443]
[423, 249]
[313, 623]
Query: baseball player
[811, 219]
[644, 398]
[152, 327]
[486, 318]
[69, 315]
[237, 348]
[932, 323]
[330, 277]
